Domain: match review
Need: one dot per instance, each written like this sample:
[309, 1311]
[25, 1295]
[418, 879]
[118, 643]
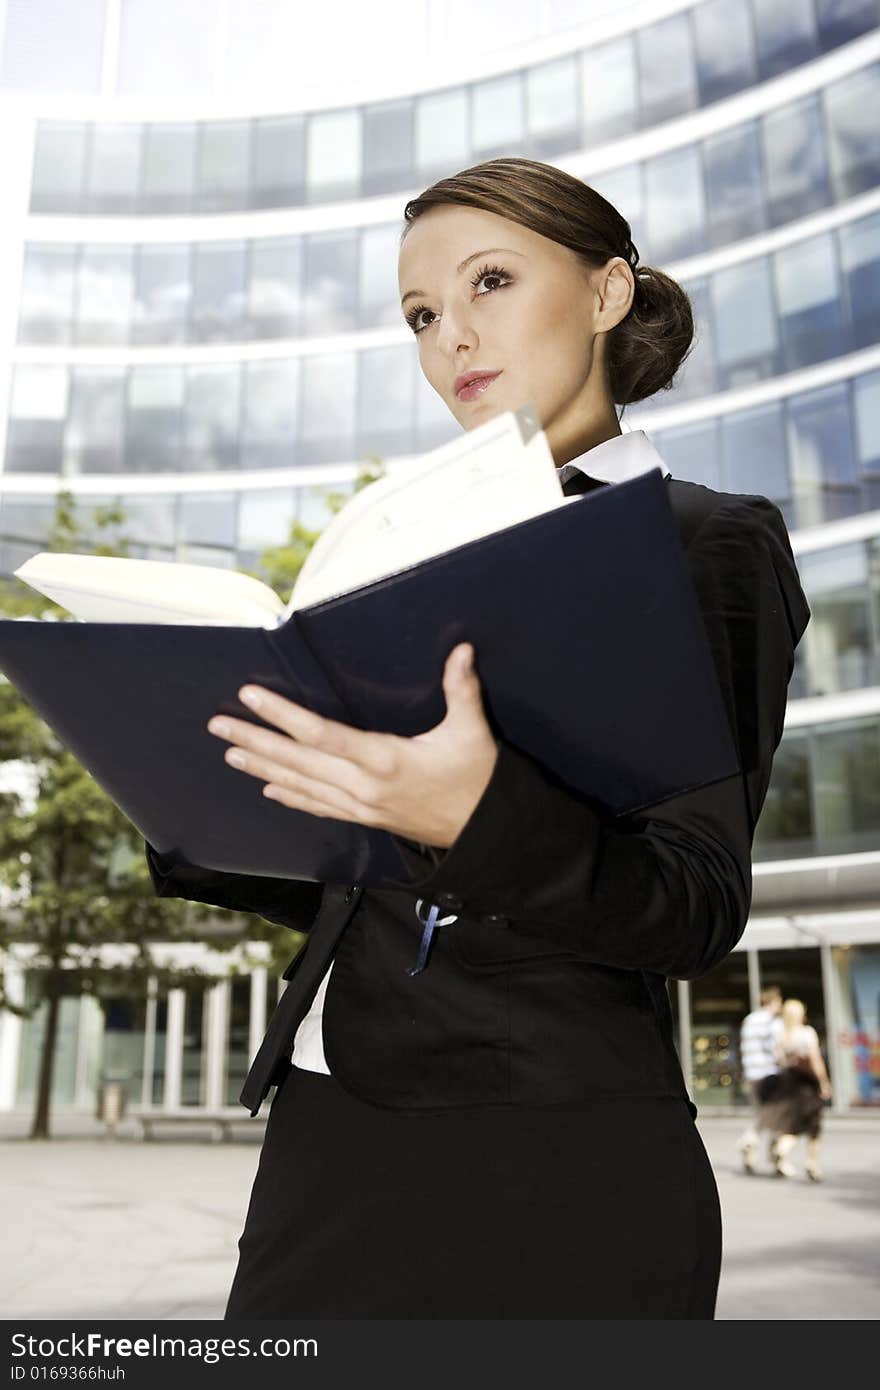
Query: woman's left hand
[424, 788]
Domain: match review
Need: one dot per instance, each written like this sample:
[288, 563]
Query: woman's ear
[614, 290]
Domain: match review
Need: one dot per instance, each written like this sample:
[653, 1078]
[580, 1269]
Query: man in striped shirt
[757, 1050]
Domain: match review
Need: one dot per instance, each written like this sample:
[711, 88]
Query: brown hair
[644, 350]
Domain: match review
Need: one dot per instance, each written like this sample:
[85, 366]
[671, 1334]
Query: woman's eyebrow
[508, 250]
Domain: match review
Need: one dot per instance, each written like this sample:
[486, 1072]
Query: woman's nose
[455, 333]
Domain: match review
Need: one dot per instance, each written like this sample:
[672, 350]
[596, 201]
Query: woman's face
[484, 294]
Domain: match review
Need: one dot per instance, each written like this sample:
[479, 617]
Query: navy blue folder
[590, 647]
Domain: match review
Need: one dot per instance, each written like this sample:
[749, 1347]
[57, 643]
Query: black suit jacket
[550, 985]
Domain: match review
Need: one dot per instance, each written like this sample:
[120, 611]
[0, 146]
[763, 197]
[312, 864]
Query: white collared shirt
[626, 455]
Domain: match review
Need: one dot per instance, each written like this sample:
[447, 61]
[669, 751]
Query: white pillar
[10, 1033]
[216, 1021]
[833, 1026]
[754, 980]
[257, 1020]
[149, 1063]
[174, 1049]
[684, 1035]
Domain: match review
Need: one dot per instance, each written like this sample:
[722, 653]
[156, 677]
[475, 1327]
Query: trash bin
[111, 1103]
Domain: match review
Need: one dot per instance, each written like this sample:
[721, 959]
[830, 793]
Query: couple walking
[785, 1071]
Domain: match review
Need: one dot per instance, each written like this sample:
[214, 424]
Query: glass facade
[633, 82]
[765, 173]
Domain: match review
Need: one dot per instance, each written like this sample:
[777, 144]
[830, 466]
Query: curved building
[199, 319]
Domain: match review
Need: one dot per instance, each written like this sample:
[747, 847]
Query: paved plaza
[118, 1228]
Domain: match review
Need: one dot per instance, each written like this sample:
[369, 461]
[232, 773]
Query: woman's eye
[494, 278]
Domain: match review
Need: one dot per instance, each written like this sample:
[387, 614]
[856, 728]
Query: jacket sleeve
[289, 902]
[667, 889]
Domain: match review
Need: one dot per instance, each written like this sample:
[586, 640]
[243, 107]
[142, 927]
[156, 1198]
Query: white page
[470, 488]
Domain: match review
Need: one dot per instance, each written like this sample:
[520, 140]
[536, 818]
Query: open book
[590, 645]
[495, 475]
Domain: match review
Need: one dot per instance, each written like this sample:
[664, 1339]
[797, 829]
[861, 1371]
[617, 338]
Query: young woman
[506, 1132]
[792, 1098]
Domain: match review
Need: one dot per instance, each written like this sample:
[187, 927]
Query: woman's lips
[477, 387]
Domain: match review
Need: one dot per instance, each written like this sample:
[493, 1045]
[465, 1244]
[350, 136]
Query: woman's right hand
[824, 1090]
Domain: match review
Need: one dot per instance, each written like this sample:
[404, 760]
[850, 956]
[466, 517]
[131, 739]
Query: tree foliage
[75, 891]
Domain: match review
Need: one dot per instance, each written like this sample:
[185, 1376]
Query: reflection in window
[745, 324]
[610, 90]
[859, 244]
[725, 52]
[154, 419]
[442, 140]
[279, 162]
[796, 174]
[851, 107]
[93, 438]
[755, 459]
[379, 292]
[693, 452]
[27, 518]
[59, 166]
[105, 288]
[785, 35]
[150, 519]
[265, 516]
[847, 786]
[388, 146]
[208, 518]
[824, 477]
[330, 284]
[866, 408]
[667, 69]
[162, 294]
[328, 407]
[333, 158]
[113, 179]
[624, 189]
[47, 294]
[434, 422]
[734, 187]
[169, 167]
[274, 290]
[698, 376]
[218, 291]
[842, 20]
[675, 210]
[553, 107]
[498, 116]
[840, 652]
[386, 401]
[37, 412]
[224, 166]
[270, 413]
[212, 410]
[808, 302]
[785, 826]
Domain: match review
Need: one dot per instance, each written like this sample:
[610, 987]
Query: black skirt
[604, 1208]
[790, 1103]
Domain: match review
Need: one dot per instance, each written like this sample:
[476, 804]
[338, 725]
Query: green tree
[73, 876]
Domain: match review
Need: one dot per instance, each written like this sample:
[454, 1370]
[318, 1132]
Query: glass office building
[199, 320]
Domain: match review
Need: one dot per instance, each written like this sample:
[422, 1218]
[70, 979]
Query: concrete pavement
[100, 1228]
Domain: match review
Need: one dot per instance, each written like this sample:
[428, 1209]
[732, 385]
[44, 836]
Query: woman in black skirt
[499, 1128]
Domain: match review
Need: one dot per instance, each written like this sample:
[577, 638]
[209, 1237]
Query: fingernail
[249, 696]
[219, 726]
